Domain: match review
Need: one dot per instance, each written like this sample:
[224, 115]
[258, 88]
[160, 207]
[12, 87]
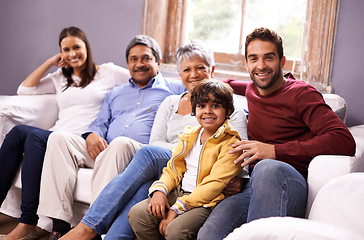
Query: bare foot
[80, 232]
[22, 230]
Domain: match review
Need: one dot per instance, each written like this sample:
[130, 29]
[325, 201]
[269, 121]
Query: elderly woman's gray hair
[192, 49]
[146, 41]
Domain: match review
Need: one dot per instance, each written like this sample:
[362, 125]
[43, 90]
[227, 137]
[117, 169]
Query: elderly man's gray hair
[146, 41]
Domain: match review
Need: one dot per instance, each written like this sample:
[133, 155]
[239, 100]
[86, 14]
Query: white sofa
[41, 111]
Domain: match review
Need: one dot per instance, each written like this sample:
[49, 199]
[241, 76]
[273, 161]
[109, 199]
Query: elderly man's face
[142, 65]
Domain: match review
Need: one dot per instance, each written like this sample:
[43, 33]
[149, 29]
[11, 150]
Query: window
[306, 26]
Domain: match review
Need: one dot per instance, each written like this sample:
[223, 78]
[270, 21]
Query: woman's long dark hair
[88, 74]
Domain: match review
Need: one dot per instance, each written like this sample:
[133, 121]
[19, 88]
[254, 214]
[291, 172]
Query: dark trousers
[23, 144]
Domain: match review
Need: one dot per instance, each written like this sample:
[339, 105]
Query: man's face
[142, 65]
[264, 66]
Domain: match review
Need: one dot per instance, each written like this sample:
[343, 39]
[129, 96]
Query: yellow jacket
[216, 168]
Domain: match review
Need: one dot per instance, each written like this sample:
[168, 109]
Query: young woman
[80, 86]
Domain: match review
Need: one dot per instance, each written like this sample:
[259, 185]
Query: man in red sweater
[289, 124]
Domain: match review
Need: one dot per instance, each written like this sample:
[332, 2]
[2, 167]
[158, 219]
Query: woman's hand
[33, 79]
[58, 61]
[252, 150]
[95, 145]
[164, 223]
[158, 205]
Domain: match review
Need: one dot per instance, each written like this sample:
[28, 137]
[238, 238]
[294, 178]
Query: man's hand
[158, 205]
[95, 145]
[234, 186]
[252, 150]
[164, 223]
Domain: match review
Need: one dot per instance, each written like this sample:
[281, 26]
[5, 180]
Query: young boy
[198, 171]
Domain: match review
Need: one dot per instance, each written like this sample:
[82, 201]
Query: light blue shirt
[129, 110]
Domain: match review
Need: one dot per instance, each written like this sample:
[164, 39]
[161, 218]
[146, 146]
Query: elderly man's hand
[95, 145]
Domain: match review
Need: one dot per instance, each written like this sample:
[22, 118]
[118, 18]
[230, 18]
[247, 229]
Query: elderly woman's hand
[234, 186]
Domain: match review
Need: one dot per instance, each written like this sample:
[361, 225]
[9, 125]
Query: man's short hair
[265, 34]
[146, 41]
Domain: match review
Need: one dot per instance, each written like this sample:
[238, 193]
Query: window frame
[165, 20]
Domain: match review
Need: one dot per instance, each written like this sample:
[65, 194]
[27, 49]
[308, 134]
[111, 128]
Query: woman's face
[74, 52]
[194, 70]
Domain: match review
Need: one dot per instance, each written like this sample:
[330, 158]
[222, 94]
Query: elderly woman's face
[194, 70]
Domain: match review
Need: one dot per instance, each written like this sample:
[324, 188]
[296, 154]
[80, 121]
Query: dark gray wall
[29, 32]
[347, 74]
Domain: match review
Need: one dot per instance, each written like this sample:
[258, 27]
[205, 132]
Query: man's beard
[270, 83]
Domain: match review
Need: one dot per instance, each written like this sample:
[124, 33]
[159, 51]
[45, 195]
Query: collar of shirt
[156, 79]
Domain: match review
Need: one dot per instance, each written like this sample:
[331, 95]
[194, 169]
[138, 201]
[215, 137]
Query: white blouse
[78, 107]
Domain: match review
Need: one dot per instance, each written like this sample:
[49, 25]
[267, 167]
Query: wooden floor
[8, 223]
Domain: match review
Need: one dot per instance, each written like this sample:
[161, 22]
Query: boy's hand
[158, 205]
[164, 223]
[252, 150]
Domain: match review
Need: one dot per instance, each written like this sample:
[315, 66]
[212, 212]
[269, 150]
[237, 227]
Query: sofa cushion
[358, 134]
[278, 228]
[340, 203]
[82, 191]
[337, 104]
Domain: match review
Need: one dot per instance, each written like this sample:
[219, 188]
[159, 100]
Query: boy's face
[210, 115]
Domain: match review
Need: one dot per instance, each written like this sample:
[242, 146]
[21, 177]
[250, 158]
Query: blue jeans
[126, 189]
[227, 215]
[275, 189]
[30, 142]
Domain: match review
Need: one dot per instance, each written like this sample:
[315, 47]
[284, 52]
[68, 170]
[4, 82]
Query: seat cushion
[83, 186]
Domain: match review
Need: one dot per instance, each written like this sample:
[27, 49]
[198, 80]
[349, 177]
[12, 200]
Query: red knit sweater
[297, 121]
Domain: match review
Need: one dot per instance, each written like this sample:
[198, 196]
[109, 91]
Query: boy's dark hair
[265, 34]
[222, 92]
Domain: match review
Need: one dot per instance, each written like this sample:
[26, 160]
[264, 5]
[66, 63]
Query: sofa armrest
[340, 203]
[323, 168]
[35, 110]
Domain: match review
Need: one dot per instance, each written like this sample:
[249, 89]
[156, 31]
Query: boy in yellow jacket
[200, 168]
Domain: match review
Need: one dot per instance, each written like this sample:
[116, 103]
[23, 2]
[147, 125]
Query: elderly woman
[194, 63]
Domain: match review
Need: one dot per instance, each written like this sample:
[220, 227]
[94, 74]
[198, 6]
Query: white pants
[111, 162]
[66, 153]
